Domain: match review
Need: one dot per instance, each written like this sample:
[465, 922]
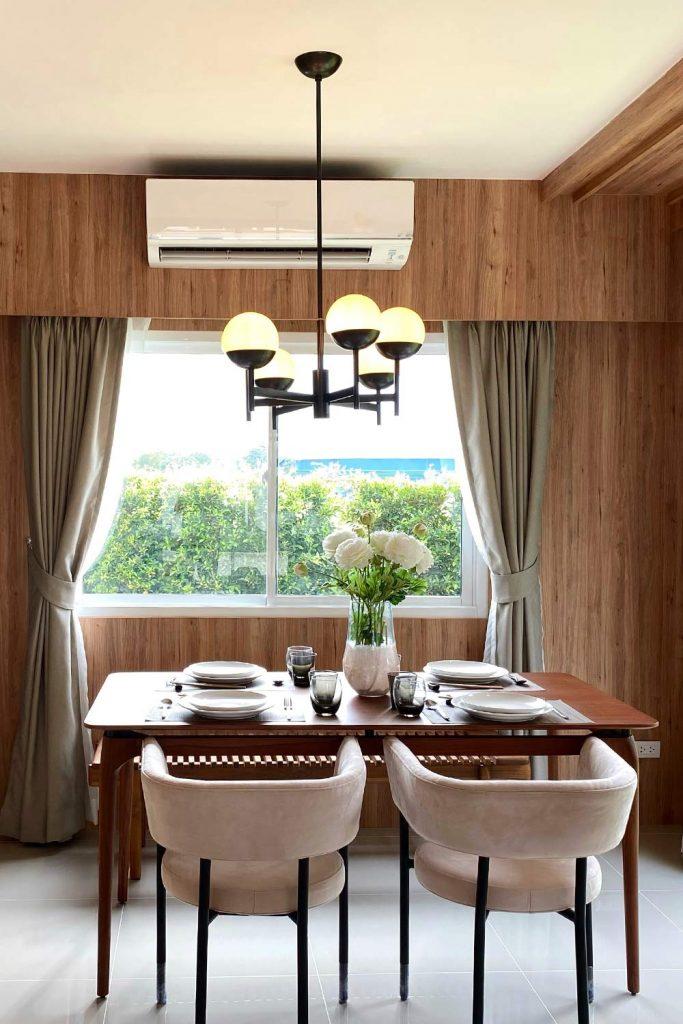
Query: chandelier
[378, 341]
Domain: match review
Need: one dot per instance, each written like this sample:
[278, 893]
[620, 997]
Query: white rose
[354, 553]
[379, 539]
[404, 550]
[334, 539]
[426, 561]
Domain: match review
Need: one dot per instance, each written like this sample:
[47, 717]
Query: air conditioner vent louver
[252, 256]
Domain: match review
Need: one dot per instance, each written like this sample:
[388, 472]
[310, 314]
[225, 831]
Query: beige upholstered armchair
[260, 847]
[516, 846]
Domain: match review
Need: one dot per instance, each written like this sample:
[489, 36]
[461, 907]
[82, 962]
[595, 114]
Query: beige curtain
[503, 380]
[71, 371]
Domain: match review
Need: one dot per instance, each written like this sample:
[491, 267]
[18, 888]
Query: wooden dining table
[125, 712]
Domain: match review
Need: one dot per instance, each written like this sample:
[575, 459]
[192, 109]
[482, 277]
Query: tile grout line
[524, 974]
[113, 963]
[659, 910]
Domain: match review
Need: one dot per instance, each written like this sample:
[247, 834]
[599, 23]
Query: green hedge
[208, 536]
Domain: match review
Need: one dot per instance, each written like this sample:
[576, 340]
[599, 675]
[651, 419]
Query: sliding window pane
[331, 471]
[192, 508]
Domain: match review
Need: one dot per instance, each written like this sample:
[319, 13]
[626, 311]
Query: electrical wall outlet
[648, 748]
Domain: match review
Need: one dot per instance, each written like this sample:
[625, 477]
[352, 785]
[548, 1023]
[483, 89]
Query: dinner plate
[495, 716]
[471, 671]
[218, 704]
[504, 702]
[224, 672]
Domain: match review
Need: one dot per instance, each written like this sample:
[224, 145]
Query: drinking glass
[409, 693]
[326, 692]
[300, 660]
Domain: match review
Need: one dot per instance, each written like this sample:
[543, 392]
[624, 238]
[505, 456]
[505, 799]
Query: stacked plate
[504, 707]
[234, 705]
[224, 673]
[465, 673]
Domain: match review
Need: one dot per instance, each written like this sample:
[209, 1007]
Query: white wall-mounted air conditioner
[232, 223]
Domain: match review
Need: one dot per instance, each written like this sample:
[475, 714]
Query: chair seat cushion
[253, 887]
[525, 886]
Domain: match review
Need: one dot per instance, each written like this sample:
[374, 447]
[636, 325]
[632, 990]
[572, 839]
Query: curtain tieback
[58, 592]
[513, 586]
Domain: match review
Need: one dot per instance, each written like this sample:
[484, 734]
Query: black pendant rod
[319, 217]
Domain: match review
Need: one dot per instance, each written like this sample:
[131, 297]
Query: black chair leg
[203, 918]
[580, 941]
[589, 951]
[302, 944]
[480, 916]
[344, 931]
[161, 931]
[404, 902]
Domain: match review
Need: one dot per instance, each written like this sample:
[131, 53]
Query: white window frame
[472, 603]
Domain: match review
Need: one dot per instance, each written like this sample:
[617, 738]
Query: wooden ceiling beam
[653, 120]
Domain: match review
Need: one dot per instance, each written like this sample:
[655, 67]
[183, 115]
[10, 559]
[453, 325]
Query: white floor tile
[237, 945]
[661, 863]
[435, 999]
[50, 939]
[50, 1002]
[670, 904]
[246, 1000]
[546, 941]
[57, 871]
[659, 1002]
[441, 936]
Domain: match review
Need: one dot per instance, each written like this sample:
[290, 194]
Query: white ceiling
[428, 88]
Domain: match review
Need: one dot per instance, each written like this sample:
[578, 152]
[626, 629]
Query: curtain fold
[71, 372]
[503, 383]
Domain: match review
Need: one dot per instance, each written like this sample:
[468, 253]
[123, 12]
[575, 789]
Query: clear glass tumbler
[326, 692]
[300, 660]
[409, 693]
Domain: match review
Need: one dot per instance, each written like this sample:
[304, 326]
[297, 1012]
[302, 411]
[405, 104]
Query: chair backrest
[512, 818]
[254, 820]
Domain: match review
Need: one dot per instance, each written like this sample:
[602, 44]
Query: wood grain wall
[76, 244]
[612, 555]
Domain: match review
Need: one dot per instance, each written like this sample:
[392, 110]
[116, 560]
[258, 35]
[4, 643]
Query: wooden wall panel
[675, 285]
[157, 644]
[13, 517]
[483, 249]
[612, 558]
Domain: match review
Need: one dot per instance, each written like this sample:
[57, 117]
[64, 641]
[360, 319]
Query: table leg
[626, 747]
[125, 807]
[115, 752]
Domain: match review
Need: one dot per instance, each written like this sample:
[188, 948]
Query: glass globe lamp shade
[250, 340]
[375, 370]
[402, 333]
[353, 321]
[279, 373]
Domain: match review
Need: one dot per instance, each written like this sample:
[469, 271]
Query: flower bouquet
[377, 569]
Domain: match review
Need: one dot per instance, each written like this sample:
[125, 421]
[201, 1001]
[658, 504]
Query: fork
[288, 706]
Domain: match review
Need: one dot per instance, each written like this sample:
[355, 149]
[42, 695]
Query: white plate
[218, 704]
[504, 702]
[495, 716]
[224, 671]
[471, 671]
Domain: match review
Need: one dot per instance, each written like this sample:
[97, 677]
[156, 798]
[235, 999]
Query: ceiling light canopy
[354, 322]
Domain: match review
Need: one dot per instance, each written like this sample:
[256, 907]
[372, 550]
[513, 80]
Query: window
[203, 504]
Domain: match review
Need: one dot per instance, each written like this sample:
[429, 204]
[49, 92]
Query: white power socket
[647, 748]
